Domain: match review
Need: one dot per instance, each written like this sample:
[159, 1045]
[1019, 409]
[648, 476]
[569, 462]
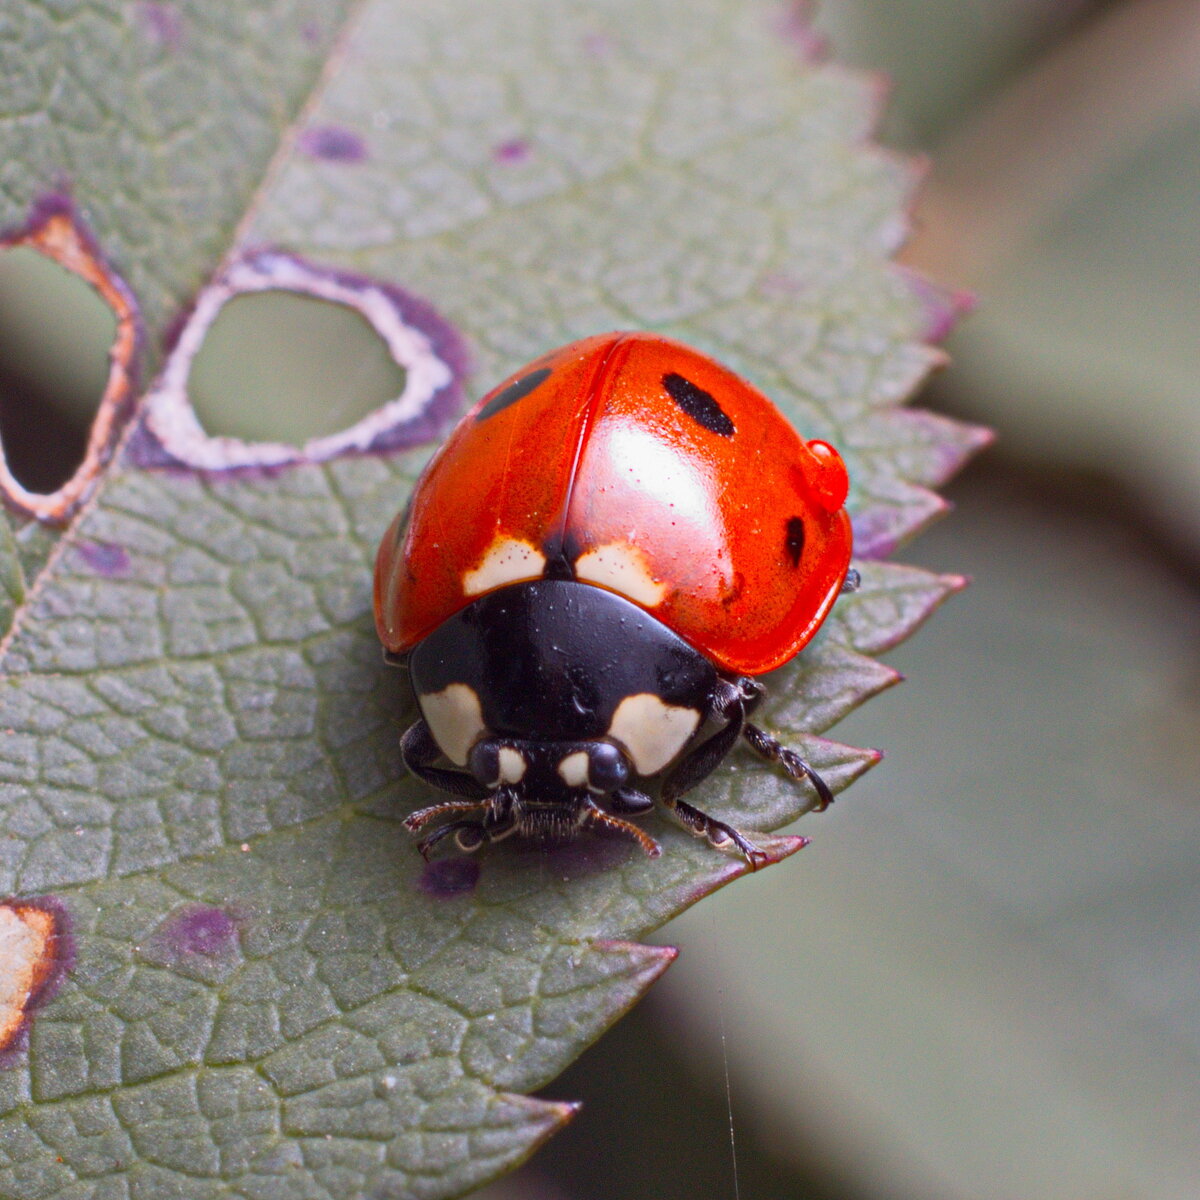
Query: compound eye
[484, 763]
[608, 768]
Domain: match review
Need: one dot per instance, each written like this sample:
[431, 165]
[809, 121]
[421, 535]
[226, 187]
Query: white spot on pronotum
[512, 765]
[455, 719]
[574, 769]
[28, 959]
[622, 568]
[651, 731]
[508, 560]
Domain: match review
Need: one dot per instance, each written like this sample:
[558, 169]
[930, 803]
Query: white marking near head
[512, 765]
[622, 568]
[455, 719]
[573, 769]
[652, 732]
[507, 560]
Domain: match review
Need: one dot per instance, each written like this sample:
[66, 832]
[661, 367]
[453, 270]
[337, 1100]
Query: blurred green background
[983, 979]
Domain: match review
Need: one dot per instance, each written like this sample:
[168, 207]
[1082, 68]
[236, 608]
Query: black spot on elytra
[517, 390]
[794, 540]
[698, 404]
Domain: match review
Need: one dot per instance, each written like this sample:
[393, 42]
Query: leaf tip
[942, 306]
[774, 850]
[794, 24]
[652, 960]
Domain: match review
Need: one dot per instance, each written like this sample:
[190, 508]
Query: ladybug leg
[468, 837]
[420, 751]
[498, 822]
[630, 801]
[718, 834]
[597, 816]
[751, 692]
[795, 766]
[417, 821]
[729, 705]
[701, 763]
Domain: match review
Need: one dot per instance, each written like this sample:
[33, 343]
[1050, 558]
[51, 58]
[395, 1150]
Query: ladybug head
[550, 790]
[549, 770]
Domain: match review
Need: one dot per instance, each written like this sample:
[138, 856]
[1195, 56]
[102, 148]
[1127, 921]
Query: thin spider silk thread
[737, 1194]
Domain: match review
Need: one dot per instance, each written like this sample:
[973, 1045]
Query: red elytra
[641, 465]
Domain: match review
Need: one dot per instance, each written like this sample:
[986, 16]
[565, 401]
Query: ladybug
[590, 574]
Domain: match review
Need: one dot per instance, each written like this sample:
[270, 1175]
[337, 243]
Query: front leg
[497, 822]
[419, 751]
[594, 815]
[728, 705]
[468, 835]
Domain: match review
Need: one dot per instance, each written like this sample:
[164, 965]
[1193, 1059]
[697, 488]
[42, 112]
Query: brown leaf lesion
[34, 953]
[55, 229]
[418, 339]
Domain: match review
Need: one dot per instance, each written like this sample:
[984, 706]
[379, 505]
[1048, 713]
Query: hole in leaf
[277, 366]
[55, 336]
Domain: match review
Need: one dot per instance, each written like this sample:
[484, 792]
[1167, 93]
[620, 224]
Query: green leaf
[271, 995]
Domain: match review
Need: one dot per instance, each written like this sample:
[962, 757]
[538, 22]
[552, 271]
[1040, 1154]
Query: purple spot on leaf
[310, 31]
[450, 877]
[162, 22]
[106, 558]
[198, 929]
[598, 45]
[333, 143]
[512, 152]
